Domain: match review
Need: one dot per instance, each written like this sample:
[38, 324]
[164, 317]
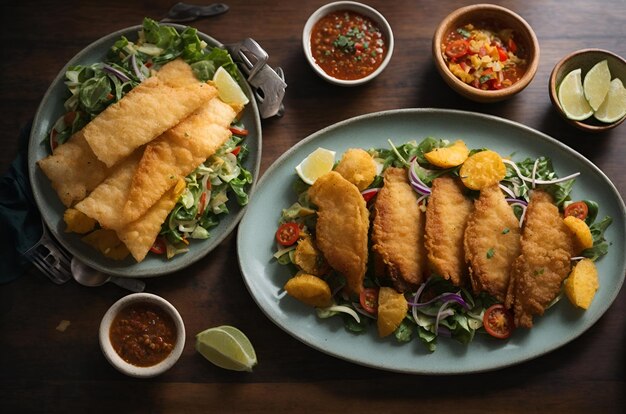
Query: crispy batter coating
[358, 167]
[342, 227]
[446, 218]
[492, 243]
[546, 249]
[140, 234]
[398, 231]
[151, 108]
[73, 169]
[176, 153]
[105, 203]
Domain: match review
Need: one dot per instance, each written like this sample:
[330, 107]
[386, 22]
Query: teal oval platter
[560, 324]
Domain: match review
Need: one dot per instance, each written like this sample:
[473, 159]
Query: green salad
[436, 308]
[92, 88]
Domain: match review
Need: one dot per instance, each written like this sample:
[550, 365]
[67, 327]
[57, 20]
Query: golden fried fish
[176, 153]
[446, 218]
[398, 231]
[547, 247]
[342, 227]
[73, 169]
[492, 243]
[139, 235]
[106, 201]
[144, 113]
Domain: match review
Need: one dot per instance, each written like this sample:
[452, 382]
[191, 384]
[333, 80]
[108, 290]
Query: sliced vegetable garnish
[578, 209]
[498, 321]
[368, 299]
[288, 233]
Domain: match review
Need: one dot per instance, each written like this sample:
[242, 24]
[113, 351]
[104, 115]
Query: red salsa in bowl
[348, 45]
[143, 334]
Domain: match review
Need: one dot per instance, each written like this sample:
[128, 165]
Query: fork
[50, 258]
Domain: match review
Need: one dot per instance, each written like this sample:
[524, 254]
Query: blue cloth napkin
[20, 222]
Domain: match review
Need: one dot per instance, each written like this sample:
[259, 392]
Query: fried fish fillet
[139, 235]
[73, 169]
[358, 167]
[446, 219]
[398, 231]
[106, 201]
[492, 243]
[151, 108]
[176, 153]
[546, 249]
[342, 227]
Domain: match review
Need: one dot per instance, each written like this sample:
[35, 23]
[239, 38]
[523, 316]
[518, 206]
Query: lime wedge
[227, 347]
[318, 163]
[596, 84]
[572, 97]
[228, 89]
[614, 106]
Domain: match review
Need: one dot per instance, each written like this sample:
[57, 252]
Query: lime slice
[614, 106]
[572, 97]
[318, 163]
[227, 347]
[228, 89]
[596, 84]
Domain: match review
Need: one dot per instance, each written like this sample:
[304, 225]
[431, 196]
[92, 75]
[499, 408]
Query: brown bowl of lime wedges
[588, 90]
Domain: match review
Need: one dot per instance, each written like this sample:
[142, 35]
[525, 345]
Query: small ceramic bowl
[114, 358]
[359, 8]
[585, 59]
[501, 17]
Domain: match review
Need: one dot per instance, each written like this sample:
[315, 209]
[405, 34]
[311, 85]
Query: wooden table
[44, 370]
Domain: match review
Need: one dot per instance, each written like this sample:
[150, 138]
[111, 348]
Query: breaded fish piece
[106, 201]
[73, 169]
[176, 153]
[139, 235]
[144, 113]
[358, 167]
[342, 227]
[398, 231]
[492, 243]
[446, 219]
[546, 249]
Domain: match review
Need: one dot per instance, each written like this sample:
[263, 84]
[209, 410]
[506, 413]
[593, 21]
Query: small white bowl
[130, 369]
[360, 8]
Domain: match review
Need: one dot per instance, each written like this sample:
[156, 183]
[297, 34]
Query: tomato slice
[369, 300]
[158, 246]
[498, 321]
[579, 209]
[236, 150]
[502, 54]
[457, 48]
[238, 131]
[288, 233]
[512, 46]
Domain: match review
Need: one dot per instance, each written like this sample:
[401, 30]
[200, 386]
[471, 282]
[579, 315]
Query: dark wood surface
[43, 370]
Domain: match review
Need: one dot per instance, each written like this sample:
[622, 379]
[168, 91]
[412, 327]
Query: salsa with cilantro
[347, 45]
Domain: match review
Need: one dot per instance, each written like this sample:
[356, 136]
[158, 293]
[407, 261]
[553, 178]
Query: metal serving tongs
[268, 84]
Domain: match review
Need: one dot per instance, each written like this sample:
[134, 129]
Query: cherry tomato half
[288, 233]
[457, 48]
[498, 321]
[579, 209]
[369, 300]
[238, 131]
[158, 246]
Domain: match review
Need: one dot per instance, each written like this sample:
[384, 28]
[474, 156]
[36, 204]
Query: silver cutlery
[50, 258]
[88, 276]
